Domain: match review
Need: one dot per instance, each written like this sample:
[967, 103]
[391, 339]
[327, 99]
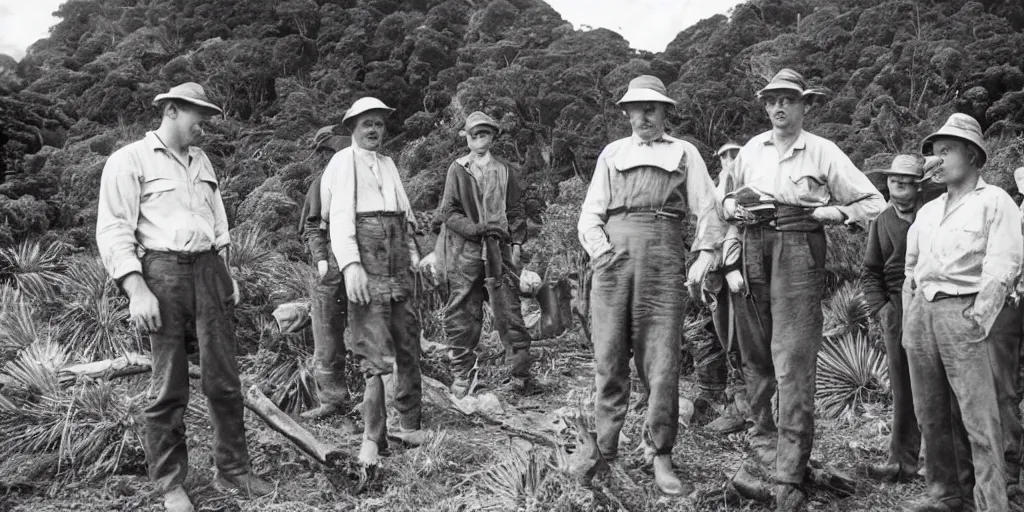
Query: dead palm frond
[34, 370]
[34, 267]
[516, 482]
[851, 372]
[846, 311]
[90, 428]
[20, 325]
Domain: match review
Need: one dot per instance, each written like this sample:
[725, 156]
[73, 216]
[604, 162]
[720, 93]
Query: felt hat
[728, 146]
[363, 105]
[327, 139]
[646, 88]
[190, 92]
[480, 119]
[789, 80]
[959, 126]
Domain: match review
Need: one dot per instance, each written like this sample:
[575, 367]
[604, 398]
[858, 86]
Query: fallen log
[128, 364]
[258, 403]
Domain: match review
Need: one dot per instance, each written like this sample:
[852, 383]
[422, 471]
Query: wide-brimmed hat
[728, 146]
[190, 92]
[363, 105]
[959, 126]
[909, 165]
[789, 80]
[646, 88]
[480, 119]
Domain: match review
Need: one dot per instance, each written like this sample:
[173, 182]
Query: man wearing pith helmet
[371, 228]
[642, 192]
[163, 235]
[809, 182]
[964, 253]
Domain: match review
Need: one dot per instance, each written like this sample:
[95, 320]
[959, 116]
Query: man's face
[368, 130]
[479, 139]
[956, 160]
[728, 160]
[647, 118]
[785, 109]
[902, 189]
[189, 122]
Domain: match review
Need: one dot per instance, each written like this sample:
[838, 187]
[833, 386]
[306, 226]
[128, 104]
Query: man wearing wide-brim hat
[163, 235]
[882, 276]
[642, 192]
[482, 227]
[779, 321]
[371, 223]
[961, 335]
[329, 308]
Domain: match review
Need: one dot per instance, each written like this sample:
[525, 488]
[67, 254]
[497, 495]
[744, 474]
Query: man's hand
[699, 269]
[357, 284]
[321, 267]
[143, 306]
[735, 281]
[517, 255]
[729, 208]
[828, 215]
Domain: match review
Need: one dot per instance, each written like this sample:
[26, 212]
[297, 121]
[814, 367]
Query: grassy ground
[472, 464]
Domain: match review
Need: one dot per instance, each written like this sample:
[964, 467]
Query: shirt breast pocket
[206, 187]
[810, 184]
[968, 237]
[160, 189]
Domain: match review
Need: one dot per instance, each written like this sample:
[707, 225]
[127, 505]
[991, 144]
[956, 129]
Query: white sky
[646, 24]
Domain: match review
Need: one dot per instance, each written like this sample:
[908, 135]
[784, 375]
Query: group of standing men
[163, 236]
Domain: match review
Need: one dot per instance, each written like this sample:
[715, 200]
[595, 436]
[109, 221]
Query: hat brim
[199, 103]
[814, 94]
[727, 148]
[893, 172]
[469, 128]
[926, 145]
[645, 95]
[352, 115]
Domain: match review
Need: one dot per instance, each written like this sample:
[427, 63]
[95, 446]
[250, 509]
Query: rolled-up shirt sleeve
[594, 211]
[1001, 265]
[857, 198]
[118, 215]
[703, 201]
[338, 210]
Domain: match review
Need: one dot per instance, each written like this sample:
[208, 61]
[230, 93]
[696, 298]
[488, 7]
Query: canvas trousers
[778, 327]
[192, 290]
[330, 318]
[905, 439]
[955, 397]
[638, 309]
[468, 287]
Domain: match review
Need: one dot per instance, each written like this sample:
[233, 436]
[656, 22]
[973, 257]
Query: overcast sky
[646, 24]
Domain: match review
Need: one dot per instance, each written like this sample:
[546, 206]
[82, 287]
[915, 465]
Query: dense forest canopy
[894, 69]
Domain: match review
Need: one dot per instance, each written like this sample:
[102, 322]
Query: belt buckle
[665, 214]
[185, 258]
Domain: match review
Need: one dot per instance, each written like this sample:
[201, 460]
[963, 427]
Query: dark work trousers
[192, 290]
[468, 287]
[329, 312]
[778, 327]
[385, 334]
[905, 439]
[1006, 344]
[638, 310]
[955, 396]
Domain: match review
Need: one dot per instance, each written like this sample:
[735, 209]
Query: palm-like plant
[34, 370]
[20, 325]
[291, 383]
[95, 320]
[36, 268]
[851, 372]
[516, 482]
[847, 311]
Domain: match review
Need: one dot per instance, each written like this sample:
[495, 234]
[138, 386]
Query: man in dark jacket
[882, 278]
[483, 227]
[329, 307]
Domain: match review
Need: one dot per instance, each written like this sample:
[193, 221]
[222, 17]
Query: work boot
[411, 437]
[664, 477]
[369, 453]
[729, 422]
[248, 484]
[789, 498]
[927, 503]
[764, 446]
[175, 500]
[322, 411]
[891, 472]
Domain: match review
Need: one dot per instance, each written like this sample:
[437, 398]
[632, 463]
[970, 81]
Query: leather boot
[789, 498]
[175, 500]
[247, 484]
[664, 477]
